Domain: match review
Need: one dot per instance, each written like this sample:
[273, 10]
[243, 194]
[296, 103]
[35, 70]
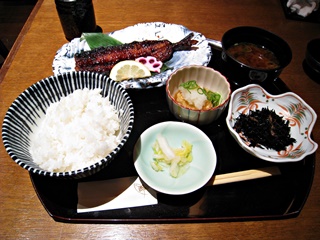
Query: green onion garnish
[190, 85]
[212, 97]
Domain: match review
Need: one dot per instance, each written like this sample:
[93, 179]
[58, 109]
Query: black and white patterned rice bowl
[24, 113]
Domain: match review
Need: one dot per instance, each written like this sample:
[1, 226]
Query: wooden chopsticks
[244, 175]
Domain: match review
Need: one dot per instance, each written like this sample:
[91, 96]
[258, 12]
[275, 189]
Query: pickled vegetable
[177, 160]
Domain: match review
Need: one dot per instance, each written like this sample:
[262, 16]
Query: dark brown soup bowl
[311, 63]
[242, 74]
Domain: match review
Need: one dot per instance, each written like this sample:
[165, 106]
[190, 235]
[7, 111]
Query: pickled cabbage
[176, 159]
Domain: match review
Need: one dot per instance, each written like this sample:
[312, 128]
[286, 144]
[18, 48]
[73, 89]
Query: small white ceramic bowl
[201, 168]
[290, 106]
[29, 107]
[206, 78]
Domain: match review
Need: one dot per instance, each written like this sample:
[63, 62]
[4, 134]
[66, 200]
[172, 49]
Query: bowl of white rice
[68, 126]
[197, 94]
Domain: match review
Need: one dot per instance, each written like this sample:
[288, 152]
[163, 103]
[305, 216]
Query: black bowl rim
[312, 61]
[268, 34]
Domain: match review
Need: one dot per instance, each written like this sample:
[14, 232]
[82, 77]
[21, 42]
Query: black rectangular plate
[274, 197]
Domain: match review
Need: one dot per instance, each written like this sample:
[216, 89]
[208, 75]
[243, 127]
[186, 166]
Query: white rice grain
[76, 132]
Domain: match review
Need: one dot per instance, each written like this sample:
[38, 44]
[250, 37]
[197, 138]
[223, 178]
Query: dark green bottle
[76, 17]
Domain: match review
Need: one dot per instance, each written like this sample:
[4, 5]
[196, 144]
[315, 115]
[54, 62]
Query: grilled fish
[104, 58]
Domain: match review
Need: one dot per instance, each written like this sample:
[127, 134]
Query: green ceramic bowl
[201, 168]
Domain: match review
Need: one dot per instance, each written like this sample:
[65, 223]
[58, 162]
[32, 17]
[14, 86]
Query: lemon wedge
[129, 69]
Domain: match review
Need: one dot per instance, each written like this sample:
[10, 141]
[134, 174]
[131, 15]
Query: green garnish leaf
[96, 40]
[213, 97]
[190, 85]
[164, 67]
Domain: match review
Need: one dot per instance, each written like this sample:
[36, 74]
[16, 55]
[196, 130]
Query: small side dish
[198, 157]
[197, 94]
[191, 95]
[265, 129]
[176, 159]
[289, 141]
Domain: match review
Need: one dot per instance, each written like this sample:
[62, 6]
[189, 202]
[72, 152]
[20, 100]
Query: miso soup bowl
[206, 78]
[243, 74]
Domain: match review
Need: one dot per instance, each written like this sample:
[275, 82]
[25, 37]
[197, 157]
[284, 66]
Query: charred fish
[104, 58]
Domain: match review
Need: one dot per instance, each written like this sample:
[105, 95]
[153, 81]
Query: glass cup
[76, 17]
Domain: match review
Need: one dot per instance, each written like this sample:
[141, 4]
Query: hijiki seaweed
[264, 128]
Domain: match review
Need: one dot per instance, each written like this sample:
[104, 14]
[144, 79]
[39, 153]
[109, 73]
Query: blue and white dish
[31, 105]
[201, 55]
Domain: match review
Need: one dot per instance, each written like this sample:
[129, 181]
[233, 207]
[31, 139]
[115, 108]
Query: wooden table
[21, 214]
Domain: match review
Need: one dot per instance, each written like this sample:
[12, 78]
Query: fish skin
[103, 59]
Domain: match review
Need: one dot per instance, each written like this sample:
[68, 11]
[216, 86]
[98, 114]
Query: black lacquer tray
[275, 197]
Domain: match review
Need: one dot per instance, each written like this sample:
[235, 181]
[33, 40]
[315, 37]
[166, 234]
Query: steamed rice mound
[76, 132]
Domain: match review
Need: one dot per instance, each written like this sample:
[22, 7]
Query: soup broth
[254, 56]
